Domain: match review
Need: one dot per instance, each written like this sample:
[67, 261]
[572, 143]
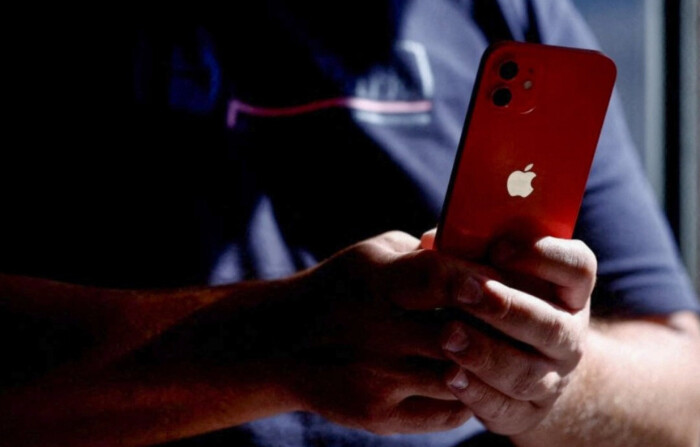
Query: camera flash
[527, 85]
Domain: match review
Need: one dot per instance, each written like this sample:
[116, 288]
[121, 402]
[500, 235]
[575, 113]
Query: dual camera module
[507, 71]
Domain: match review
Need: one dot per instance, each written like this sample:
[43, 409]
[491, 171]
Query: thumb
[427, 241]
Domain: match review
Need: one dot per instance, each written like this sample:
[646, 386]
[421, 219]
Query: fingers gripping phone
[527, 146]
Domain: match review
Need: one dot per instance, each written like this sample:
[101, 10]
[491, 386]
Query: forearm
[141, 407]
[140, 378]
[638, 384]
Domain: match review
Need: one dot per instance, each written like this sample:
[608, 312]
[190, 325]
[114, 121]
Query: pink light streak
[236, 107]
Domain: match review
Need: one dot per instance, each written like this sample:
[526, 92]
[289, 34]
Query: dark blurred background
[656, 47]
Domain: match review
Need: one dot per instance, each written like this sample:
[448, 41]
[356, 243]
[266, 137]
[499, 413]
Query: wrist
[255, 351]
[278, 334]
[298, 332]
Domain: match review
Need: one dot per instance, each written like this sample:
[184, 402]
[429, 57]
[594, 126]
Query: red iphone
[528, 142]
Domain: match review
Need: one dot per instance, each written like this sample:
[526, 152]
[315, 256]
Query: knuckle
[553, 384]
[577, 353]
[500, 408]
[432, 271]
[574, 261]
[526, 381]
[392, 239]
[558, 383]
[582, 247]
[583, 259]
[538, 381]
[503, 305]
[416, 280]
[432, 262]
[456, 418]
[557, 333]
[368, 251]
[575, 255]
[573, 343]
[483, 361]
[477, 395]
[392, 235]
[546, 247]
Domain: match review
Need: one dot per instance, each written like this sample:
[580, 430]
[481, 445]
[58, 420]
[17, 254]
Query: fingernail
[503, 252]
[427, 240]
[459, 381]
[470, 292]
[457, 341]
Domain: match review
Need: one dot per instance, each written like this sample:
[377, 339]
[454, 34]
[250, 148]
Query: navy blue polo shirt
[173, 155]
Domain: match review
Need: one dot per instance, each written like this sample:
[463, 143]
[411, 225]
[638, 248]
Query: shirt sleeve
[639, 270]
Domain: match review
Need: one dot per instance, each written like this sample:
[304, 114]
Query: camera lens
[502, 97]
[508, 70]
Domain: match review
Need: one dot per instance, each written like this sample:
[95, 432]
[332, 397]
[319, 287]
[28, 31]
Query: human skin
[163, 365]
[355, 339]
[617, 382]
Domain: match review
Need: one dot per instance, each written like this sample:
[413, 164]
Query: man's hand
[512, 371]
[371, 355]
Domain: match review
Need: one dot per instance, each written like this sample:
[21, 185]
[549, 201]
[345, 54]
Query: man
[277, 148]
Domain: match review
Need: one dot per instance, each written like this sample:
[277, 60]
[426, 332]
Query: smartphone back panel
[528, 143]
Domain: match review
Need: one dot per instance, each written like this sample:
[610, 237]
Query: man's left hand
[511, 371]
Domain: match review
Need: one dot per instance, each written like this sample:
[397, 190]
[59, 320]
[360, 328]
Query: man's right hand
[371, 355]
[355, 339]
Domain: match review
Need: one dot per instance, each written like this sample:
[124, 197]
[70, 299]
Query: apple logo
[520, 182]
